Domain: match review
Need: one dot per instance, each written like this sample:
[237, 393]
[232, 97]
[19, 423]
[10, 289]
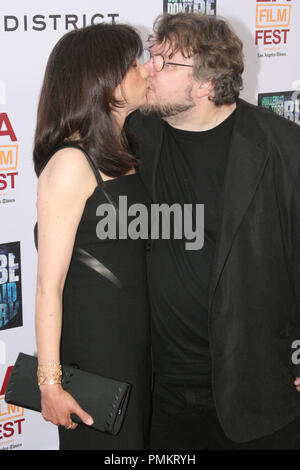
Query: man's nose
[149, 67]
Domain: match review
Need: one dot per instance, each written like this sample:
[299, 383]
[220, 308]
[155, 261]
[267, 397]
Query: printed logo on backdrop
[9, 150]
[205, 7]
[285, 104]
[57, 22]
[10, 286]
[273, 21]
[11, 418]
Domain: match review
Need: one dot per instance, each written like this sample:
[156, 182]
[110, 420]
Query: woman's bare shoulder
[68, 170]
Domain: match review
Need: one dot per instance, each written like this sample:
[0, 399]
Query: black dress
[106, 315]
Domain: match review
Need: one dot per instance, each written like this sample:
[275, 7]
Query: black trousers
[179, 421]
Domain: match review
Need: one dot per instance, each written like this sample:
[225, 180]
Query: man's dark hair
[217, 51]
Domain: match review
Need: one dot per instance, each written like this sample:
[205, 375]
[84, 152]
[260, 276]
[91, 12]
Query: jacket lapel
[246, 163]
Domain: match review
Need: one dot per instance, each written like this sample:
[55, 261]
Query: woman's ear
[118, 93]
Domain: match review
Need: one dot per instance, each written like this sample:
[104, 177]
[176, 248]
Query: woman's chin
[142, 102]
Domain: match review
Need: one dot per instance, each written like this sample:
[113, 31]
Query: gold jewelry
[70, 426]
[49, 374]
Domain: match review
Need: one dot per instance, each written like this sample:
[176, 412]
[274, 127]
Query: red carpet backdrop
[28, 32]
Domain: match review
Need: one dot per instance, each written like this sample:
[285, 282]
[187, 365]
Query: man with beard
[224, 317]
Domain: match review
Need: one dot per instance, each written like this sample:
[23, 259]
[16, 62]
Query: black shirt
[191, 170]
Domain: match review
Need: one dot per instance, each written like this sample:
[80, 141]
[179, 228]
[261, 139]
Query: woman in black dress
[91, 302]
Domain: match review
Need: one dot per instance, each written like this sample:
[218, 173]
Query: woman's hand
[57, 406]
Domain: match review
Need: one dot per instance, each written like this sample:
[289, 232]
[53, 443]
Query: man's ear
[204, 89]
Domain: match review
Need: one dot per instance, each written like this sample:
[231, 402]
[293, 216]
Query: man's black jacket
[254, 307]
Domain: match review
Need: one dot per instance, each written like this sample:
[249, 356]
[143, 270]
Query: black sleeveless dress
[106, 315]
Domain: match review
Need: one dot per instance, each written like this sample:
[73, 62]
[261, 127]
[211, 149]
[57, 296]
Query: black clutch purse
[103, 398]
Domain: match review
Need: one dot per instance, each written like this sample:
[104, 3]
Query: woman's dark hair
[217, 50]
[77, 95]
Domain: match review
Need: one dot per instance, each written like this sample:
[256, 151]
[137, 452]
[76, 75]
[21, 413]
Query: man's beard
[168, 109]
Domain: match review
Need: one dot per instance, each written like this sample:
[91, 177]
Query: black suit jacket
[254, 306]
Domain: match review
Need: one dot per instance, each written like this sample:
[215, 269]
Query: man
[224, 317]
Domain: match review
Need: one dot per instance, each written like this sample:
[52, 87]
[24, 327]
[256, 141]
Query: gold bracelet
[49, 374]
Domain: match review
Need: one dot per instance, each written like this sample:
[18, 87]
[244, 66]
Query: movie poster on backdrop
[10, 286]
[205, 7]
[285, 104]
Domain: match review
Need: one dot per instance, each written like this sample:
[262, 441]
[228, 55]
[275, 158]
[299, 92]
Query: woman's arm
[63, 188]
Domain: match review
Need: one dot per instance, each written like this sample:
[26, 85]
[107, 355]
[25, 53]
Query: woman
[82, 157]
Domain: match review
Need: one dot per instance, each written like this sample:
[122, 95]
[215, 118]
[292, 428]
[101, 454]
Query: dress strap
[89, 159]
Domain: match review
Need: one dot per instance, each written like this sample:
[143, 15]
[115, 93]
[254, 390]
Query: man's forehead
[170, 50]
[166, 49]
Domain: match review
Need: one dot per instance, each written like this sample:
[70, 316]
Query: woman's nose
[144, 71]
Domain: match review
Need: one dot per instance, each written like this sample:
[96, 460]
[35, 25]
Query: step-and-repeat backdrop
[28, 32]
